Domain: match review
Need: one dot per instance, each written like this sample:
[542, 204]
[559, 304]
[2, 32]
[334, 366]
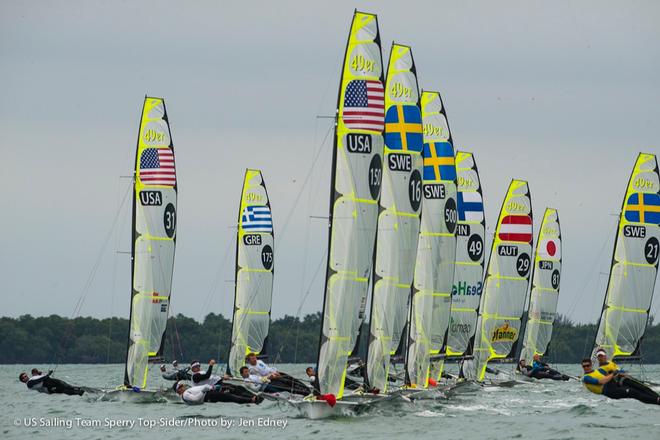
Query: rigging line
[292, 210]
[592, 271]
[216, 281]
[114, 277]
[300, 306]
[90, 279]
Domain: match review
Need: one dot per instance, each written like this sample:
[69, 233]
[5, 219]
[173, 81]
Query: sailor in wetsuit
[605, 364]
[609, 384]
[540, 370]
[277, 381]
[197, 395]
[175, 373]
[46, 384]
[215, 381]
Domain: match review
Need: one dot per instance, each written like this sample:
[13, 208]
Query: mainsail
[399, 216]
[355, 189]
[436, 249]
[634, 264]
[469, 266]
[545, 288]
[254, 272]
[153, 241]
[506, 281]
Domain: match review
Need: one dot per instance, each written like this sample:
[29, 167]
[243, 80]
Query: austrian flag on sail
[516, 228]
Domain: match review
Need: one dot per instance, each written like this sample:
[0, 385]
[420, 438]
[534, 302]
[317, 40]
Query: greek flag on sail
[257, 219]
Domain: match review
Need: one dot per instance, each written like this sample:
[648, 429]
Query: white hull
[319, 409]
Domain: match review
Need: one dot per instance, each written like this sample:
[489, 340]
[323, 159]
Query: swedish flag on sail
[439, 161]
[643, 208]
[403, 128]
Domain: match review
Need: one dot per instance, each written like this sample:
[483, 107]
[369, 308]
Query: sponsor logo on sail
[641, 183]
[505, 333]
[465, 289]
[459, 327]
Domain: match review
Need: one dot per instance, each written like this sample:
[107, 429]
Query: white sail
[399, 217]
[154, 237]
[634, 264]
[255, 259]
[436, 249]
[545, 288]
[506, 281]
[355, 190]
[469, 266]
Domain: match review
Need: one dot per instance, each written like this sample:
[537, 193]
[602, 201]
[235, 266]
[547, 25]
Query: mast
[634, 267]
[153, 241]
[399, 215]
[436, 249]
[544, 295]
[255, 259]
[469, 268]
[354, 193]
[506, 281]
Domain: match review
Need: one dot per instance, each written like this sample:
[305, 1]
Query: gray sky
[564, 94]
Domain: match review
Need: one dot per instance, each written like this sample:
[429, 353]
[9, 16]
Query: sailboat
[634, 267]
[398, 218]
[469, 266]
[255, 260]
[153, 243]
[357, 171]
[436, 249]
[506, 281]
[546, 276]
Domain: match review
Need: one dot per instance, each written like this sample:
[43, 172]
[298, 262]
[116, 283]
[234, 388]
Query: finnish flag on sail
[257, 219]
[470, 206]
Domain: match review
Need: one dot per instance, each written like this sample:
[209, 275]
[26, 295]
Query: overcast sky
[563, 94]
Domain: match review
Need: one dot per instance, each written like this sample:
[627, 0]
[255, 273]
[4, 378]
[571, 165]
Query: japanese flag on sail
[549, 249]
[516, 228]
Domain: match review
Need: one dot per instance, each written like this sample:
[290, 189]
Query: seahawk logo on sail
[505, 333]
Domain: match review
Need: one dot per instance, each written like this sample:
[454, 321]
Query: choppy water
[542, 410]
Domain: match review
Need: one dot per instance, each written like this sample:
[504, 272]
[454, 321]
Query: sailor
[311, 374]
[609, 384]
[207, 378]
[46, 384]
[259, 383]
[259, 367]
[197, 395]
[175, 373]
[605, 364]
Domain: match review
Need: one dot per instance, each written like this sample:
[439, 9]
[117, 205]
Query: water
[544, 410]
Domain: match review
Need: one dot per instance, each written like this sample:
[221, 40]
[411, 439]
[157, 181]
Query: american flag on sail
[157, 167]
[364, 104]
[257, 219]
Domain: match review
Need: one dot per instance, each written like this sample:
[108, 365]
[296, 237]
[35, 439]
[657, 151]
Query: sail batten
[398, 217]
[469, 266]
[544, 295]
[354, 193]
[153, 241]
[436, 249]
[634, 267]
[255, 260]
[506, 281]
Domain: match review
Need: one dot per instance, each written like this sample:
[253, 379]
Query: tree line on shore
[54, 339]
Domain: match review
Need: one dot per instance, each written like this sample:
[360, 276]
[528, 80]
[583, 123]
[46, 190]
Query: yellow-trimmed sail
[399, 216]
[545, 288]
[355, 190]
[507, 280]
[470, 252]
[154, 237]
[634, 264]
[436, 249]
[255, 259]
